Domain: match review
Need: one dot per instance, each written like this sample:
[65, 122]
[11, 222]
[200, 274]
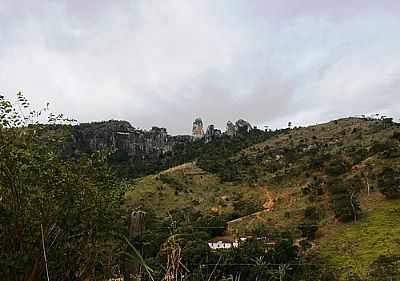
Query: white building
[223, 245]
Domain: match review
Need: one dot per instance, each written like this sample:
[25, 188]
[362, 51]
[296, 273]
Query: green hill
[342, 176]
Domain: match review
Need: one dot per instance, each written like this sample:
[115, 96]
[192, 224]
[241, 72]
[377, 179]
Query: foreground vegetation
[54, 214]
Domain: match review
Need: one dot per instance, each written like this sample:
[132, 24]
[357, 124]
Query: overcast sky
[167, 62]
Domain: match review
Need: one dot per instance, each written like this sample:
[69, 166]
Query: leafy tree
[318, 161]
[344, 200]
[246, 206]
[314, 189]
[52, 207]
[311, 213]
[389, 182]
[337, 167]
[387, 149]
[359, 155]
[308, 230]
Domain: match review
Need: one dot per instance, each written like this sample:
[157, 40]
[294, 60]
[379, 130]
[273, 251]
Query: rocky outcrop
[243, 125]
[240, 126]
[211, 133]
[197, 130]
[129, 142]
[122, 137]
[230, 129]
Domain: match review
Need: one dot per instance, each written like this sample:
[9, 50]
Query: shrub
[387, 149]
[359, 155]
[308, 230]
[311, 213]
[172, 182]
[389, 182]
[396, 135]
[337, 167]
[244, 207]
[317, 162]
[305, 245]
[314, 189]
[345, 203]
[385, 268]
[353, 277]
[346, 206]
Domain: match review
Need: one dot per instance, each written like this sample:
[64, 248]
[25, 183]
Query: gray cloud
[166, 62]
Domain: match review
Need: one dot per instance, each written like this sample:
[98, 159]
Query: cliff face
[129, 142]
[123, 138]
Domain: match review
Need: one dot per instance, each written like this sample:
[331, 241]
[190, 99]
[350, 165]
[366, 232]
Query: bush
[244, 206]
[318, 162]
[345, 203]
[314, 189]
[261, 230]
[346, 206]
[389, 182]
[337, 167]
[359, 155]
[385, 268]
[396, 135]
[172, 182]
[308, 230]
[387, 149]
[216, 224]
[353, 277]
[311, 213]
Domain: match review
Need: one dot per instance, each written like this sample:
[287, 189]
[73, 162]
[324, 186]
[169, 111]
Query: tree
[337, 167]
[389, 182]
[344, 200]
[246, 206]
[52, 207]
[308, 230]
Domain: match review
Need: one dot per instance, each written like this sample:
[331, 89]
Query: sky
[166, 62]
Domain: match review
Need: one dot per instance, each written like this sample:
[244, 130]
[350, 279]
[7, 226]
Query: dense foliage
[389, 182]
[53, 208]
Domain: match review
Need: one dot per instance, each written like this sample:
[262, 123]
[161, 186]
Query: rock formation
[243, 126]
[122, 137]
[129, 142]
[240, 126]
[197, 131]
[230, 129]
[211, 133]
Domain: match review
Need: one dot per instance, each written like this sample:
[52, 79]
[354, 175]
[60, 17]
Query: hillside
[342, 176]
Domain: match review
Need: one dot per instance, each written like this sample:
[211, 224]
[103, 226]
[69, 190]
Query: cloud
[166, 62]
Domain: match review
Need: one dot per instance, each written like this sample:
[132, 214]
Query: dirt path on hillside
[269, 202]
[268, 207]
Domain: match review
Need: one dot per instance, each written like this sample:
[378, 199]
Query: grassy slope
[354, 246]
[196, 188]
